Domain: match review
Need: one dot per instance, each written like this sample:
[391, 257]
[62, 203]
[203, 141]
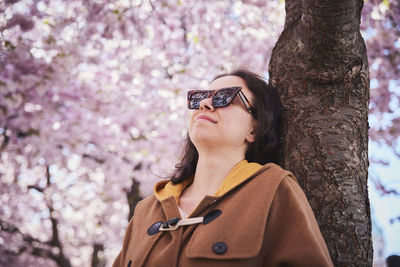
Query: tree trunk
[320, 68]
[98, 259]
[134, 197]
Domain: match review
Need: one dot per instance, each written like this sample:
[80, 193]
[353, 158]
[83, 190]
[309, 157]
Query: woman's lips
[205, 117]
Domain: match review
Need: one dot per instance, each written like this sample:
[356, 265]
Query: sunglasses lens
[224, 97]
[221, 98]
[194, 98]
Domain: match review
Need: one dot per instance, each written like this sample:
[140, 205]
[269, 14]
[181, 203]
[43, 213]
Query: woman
[223, 206]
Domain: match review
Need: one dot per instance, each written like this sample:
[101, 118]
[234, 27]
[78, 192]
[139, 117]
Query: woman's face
[227, 127]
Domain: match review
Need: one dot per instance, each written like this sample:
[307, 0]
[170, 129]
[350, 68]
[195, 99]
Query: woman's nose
[206, 104]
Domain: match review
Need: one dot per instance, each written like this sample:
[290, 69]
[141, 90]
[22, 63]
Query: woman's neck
[211, 170]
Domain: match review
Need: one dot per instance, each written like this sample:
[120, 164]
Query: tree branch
[98, 160]
[393, 220]
[55, 242]
[5, 141]
[39, 248]
[383, 190]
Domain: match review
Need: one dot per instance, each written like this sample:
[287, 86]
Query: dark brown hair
[267, 114]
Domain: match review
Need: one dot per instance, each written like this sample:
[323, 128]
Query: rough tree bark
[320, 68]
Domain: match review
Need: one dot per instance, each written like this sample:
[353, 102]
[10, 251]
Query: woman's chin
[202, 137]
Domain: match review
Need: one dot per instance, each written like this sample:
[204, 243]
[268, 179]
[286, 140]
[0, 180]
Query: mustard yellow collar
[240, 173]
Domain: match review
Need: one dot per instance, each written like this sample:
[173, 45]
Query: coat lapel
[151, 211]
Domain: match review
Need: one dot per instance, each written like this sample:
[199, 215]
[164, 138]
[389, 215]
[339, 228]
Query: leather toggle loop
[174, 223]
[170, 222]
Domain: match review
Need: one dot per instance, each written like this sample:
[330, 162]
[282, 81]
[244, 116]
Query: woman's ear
[251, 137]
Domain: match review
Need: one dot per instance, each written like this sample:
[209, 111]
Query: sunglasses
[220, 98]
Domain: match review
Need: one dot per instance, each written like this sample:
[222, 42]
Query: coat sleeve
[292, 234]
[119, 261]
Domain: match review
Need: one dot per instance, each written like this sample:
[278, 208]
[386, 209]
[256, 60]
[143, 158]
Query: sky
[386, 207]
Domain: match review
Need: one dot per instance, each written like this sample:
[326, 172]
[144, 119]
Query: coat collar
[240, 173]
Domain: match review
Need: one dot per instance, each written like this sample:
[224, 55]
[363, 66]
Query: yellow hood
[241, 172]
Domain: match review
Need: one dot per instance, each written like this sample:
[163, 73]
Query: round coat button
[219, 247]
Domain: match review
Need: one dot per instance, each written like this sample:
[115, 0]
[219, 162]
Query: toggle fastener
[171, 227]
[175, 223]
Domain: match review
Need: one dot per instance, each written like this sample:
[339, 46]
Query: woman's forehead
[231, 81]
[227, 81]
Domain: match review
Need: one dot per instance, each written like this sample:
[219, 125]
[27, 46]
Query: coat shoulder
[149, 200]
[274, 172]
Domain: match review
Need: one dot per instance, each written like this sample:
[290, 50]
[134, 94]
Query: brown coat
[265, 221]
